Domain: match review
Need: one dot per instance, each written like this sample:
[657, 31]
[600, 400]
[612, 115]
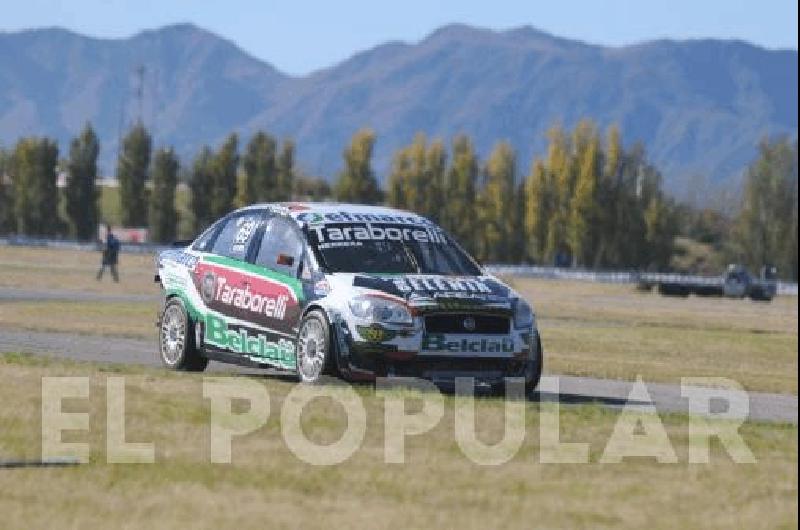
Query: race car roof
[333, 212]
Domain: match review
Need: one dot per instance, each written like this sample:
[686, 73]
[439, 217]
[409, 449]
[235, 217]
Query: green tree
[260, 178]
[284, 165]
[461, 188]
[660, 225]
[132, 168]
[81, 190]
[33, 170]
[200, 184]
[6, 206]
[163, 216]
[356, 182]
[766, 231]
[223, 177]
[311, 188]
[608, 195]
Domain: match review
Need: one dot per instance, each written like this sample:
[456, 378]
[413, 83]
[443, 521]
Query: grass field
[616, 332]
[588, 329]
[267, 486]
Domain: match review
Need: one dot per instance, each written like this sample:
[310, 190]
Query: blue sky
[300, 36]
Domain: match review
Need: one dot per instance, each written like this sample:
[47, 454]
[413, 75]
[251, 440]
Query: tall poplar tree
[223, 177]
[6, 206]
[81, 190]
[284, 167]
[356, 182]
[163, 215]
[132, 175]
[766, 228]
[462, 183]
[582, 221]
[497, 205]
[538, 211]
[33, 170]
[260, 178]
[200, 185]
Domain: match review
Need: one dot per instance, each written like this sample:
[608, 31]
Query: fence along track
[632, 277]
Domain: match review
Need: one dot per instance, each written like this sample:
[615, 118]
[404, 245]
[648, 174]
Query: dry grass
[437, 487]
[72, 270]
[614, 331]
[588, 329]
[115, 319]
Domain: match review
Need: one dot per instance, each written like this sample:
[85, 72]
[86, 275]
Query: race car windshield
[377, 248]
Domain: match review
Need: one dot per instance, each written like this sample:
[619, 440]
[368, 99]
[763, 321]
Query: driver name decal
[246, 296]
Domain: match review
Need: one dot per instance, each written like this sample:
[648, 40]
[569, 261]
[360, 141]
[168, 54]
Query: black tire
[535, 367]
[532, 374]
[314, 347]
[176, 342]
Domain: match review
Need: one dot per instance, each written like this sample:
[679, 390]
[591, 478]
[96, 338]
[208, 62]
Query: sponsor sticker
[245, 228]
[440, 343]
[410, 283]
[375, 333]
[254, 345]
[217, 289]
[180, 257]
[312, 218]
[354, 234]
[245, 296]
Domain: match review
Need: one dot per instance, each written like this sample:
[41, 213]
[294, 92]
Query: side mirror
[285, 260]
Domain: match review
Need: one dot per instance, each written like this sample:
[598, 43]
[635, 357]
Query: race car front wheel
[176, 342]
[313, 346]
[533, 372]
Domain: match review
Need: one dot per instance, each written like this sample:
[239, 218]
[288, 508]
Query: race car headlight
[376, 309]
[523, 315]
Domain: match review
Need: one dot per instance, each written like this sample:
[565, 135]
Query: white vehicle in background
[357, 291]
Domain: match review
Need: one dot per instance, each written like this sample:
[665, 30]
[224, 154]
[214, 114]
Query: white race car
[357, 291]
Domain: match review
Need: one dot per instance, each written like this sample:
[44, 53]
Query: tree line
[590, 201]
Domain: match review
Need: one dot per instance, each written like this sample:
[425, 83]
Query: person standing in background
[110, 256]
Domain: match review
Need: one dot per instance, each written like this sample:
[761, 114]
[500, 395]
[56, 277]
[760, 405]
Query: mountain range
[700, 106]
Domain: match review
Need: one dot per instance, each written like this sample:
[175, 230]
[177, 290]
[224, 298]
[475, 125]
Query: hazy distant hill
[699, 106]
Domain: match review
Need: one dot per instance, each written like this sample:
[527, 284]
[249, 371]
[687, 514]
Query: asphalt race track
[572, 390]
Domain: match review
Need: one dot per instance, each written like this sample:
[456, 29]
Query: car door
[279, 257]
[221, 277]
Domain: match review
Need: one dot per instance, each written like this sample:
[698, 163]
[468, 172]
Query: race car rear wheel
[176, 342]
[313, 347]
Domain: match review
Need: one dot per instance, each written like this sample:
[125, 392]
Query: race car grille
[465, 323]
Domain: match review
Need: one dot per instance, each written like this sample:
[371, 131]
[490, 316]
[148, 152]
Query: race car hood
[432, 292]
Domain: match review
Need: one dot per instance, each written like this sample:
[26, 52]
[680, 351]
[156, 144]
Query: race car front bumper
[365, 360]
